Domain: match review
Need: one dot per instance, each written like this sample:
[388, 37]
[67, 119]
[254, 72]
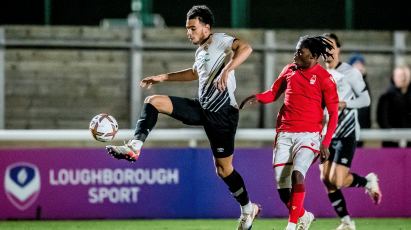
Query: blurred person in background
[335, 173]
[394, 106]
[357, 60]
[308, 87]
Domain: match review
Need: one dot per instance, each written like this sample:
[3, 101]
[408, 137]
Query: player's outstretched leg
[128, 151]
[372, 188]
[131, 150]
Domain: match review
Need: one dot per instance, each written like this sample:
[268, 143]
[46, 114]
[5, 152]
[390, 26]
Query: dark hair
[333, 36]
[317, 45]
[203, 13]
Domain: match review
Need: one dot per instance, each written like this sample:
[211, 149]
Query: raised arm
[360, 90]
[183, 75]
[241, 52]
[268, 96]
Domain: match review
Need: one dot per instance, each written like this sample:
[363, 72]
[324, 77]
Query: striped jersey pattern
[349, 84]
[211, 58]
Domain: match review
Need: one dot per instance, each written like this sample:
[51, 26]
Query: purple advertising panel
[66, 184]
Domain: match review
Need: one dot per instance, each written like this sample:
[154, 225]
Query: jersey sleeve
[362, 97]
[329, 89]
[276, 90]
[195, 65]
[223, 40]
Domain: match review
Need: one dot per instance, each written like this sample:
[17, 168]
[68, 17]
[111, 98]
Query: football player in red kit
[308, 88]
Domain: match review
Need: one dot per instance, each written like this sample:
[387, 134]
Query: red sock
[302, 212]
[297, 200]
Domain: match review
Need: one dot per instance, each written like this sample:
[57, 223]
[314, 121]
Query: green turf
[266, 224]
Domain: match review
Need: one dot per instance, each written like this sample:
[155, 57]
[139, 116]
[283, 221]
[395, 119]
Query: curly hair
[333, 36]
[318, 45]
[203, 13]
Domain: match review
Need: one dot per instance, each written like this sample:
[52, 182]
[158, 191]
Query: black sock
[338, 202]
[237, 188]
[146, 123]
[358, 181]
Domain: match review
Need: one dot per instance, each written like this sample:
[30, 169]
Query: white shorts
[294, 152]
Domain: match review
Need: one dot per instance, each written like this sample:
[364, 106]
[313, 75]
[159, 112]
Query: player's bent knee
[328, 184]
[222, 172]
[158, 101]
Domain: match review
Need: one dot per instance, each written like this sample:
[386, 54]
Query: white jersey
[210, 59]
[351, 88]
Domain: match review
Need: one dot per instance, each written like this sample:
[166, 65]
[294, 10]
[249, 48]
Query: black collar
[205, 40]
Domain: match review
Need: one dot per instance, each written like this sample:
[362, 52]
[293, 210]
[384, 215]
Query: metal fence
[137, 45]
[192, 136]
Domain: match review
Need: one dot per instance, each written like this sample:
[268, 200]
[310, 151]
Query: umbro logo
[344, 160]
[220, 150]
[312, 144]
[294, 207]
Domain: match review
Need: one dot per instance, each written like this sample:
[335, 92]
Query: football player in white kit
[335, 173]
[215, 108]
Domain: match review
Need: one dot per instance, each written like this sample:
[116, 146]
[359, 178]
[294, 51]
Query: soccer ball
[103, 127]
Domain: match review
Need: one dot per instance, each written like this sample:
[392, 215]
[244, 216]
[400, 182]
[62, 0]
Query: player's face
[302, 57]
[197, 31]
[401, 77]
[335, 52]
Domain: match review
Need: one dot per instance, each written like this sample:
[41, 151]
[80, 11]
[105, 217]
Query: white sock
[291, 226]
[247, 209]
[136, 144]
[346, 219]
[368, 185]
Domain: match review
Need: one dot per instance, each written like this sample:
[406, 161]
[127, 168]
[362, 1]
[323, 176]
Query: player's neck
[207, 36]
[334, 64]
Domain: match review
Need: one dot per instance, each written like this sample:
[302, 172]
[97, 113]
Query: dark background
[268, 14]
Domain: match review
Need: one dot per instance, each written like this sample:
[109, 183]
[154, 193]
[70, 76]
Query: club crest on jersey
[312, 81]
[333, 80]
[22, 184]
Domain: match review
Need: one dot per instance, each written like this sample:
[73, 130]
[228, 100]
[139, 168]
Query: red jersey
[307, 92]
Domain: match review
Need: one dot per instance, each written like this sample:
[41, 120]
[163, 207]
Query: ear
[313, 56]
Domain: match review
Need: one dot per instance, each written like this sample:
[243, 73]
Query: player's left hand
[249, 100]
[324, 153]
[221, 81]
[342, 105]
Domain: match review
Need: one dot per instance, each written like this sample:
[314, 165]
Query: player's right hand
[324, 153]
[150, 81]
[250, 99]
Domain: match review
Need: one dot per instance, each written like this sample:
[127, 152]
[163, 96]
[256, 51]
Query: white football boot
[125, 151]
[305, 221]
[372, 188]
[346, 225]
[246, 220]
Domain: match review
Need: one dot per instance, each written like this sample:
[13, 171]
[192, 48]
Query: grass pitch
[266, 224]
